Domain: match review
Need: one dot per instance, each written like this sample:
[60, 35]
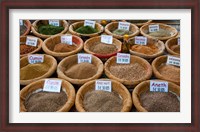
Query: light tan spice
[61, 47]
[148, 49]
[160, 33]
[101, 48]
[169, 71]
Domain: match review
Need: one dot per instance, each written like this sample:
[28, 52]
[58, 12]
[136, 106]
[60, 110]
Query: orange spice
[148, 49]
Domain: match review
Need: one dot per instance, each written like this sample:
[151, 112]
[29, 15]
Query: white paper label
[51, 85]
[171, 60]
[89, 23]
[84, 58]
[153, 28]
[32, 41]
[67, 39]
[107, 39]
[140, 40]
[103, 85]
[123, 58]
[124, 25]
[54, 22]
[179, 41]
[32, 59]
[156, 86]
[21, 22]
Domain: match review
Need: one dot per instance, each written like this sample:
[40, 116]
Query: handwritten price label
[21, 22]
[140, 40]
[84, 58]
[158, 86]
[52, 85]
[123, 58]
[32, 59]
[32, 41]
[67, 39]
[89, 23]
[54, 22]
[124, 25]
[108, 39]
[103, 85]
[153, 28]
[171, 60]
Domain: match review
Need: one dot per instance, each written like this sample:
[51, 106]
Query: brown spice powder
[101, 48]
[102, 101]
[81, 71]
[133, 71]
[175, 48]
[45, 101]
[148, 49]
[24, 49]
[160, 102]
[61, 47]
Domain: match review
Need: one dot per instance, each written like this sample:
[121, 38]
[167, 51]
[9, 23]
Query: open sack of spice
[103, 95]
[46, 28]
[47, 95]
[36, 66]
[156, 96]
[29, 45]
[80, 68]
[61, 46]
[25, 27]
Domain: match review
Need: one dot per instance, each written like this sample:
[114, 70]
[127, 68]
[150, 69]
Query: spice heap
[45, 101]
[24, 49]
[49, 29]
[170, 71]
[81, 71]
[86, 30]
[122, 32]
[160, 102]
[62, 47]
[22, 29]
[175, 48]
[148, 49]
[32, 71]
[102, 101]
[101, 48]
[160, 33]
[133, 71]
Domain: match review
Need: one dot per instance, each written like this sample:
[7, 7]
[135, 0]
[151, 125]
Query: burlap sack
[171, 43]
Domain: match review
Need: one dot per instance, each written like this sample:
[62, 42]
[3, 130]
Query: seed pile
[175, 48]
[49, 29]
[45, 101]
[101, 48]
[24, 49]
[102, 101]
[81, 71]
[160, 102]
[122, 32]
[61, 47]
[86, 30]
[160, 33]
[22, 29]
[148, 49]
[133, 71]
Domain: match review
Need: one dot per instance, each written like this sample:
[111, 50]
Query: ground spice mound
[32, 71]
[133, 71]
[81, 71]
[170, 71]
[45, 101]
[160, 33]
[160, 102]
[176, 48]
[148, 49]
[86, 30]
[101, 48]
[61, 47]
[24, 49]
[102, 101]
[49, 29]
[122, 32]
[22, 29]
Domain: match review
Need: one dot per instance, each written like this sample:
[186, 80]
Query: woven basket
[27, 23]
[145, 29]
[133, 59]
[39, 44]
[139, 24]
[72, 60]
[159, 44]
[34, 28]
[114, 25]
[116, 86]
[51, 61]
[66, 87]
[144, 86]
[76, 25]
[170, 44]
[156, 64]
[92, 41]
[50, 43]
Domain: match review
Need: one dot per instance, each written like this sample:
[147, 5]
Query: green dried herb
[49, 29]
[86, 30]
[122, 32]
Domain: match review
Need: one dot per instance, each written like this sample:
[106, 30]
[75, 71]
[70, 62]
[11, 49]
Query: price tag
[84, 58]
[32, 41]
[103, 85]
[124, 25]
[171, 60]
[89, 23]
[67, 39]
[140, 40]
[32, 59]
[108, 39]
[156, 86]
[123, 58]
[178, 40]
[54, 22]
[21, 22]
[52, 85]
[153, 28]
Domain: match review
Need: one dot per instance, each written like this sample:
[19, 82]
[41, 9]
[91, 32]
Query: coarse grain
[101, 48]
[62, 47]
